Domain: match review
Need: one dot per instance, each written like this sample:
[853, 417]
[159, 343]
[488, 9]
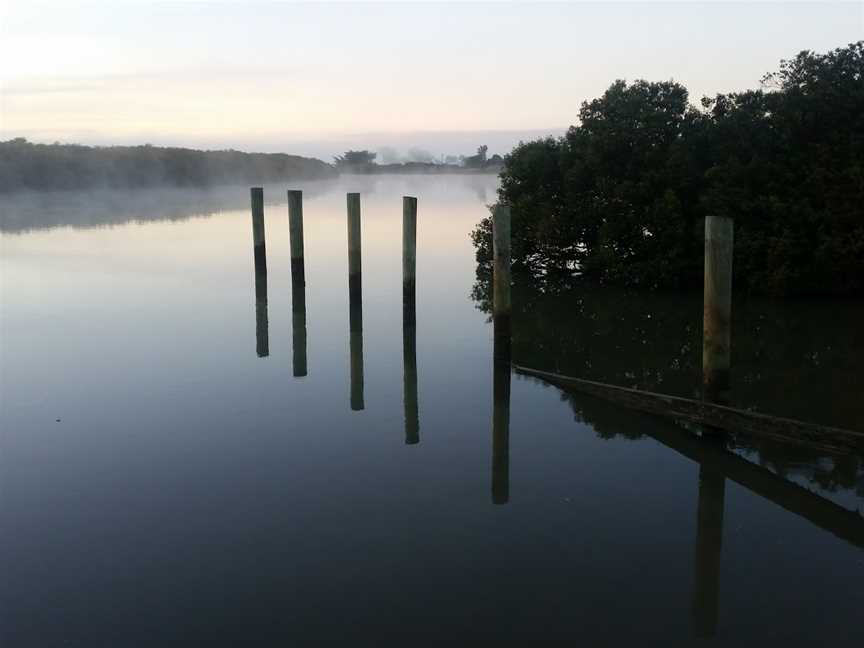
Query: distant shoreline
[47, 167]
[25, 166]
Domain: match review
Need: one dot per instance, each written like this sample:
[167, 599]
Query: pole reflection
[298, 318]
[355, 316]
[409, 367]
[709, 541]
[501, 410]
[262, 327]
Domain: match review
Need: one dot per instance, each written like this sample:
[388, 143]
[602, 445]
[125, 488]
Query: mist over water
[25, 211]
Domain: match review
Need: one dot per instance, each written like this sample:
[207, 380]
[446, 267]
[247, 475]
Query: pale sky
[316, 78]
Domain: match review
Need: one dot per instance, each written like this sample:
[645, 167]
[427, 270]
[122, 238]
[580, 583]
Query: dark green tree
[622, 196]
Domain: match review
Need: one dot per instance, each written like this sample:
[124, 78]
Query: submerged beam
[823, 513]
[821, 437]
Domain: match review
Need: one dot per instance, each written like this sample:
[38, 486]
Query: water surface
[166, 477]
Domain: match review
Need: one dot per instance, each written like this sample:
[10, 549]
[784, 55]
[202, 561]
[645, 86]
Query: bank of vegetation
[621, 197]
[39, 167]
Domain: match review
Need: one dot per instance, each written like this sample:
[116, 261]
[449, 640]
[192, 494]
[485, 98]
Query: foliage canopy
[622, 196]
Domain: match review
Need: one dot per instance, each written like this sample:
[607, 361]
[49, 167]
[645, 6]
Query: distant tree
[477, 161]
[355, 159]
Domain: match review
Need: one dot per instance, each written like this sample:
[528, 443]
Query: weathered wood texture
[295, 226]
[409, 243]
[501, 260]
[257, 197]
[717, 310]
[354, 262]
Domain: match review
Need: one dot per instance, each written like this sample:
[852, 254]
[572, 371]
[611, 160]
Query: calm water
[166, 479]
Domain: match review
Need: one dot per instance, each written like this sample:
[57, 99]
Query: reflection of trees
[790, 358]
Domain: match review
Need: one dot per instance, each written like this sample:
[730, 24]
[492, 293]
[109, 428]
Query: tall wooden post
[354, 261]
[262, 335]
[257, 196]
[355, 302]
[501, 351]
[501, 261]
[709, 543]
[409, 320]
[298, 282]
[409, 245]
[716, 339]
[295, 233]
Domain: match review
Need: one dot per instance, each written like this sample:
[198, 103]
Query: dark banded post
[355, 302]
[262, 337]
[717, 312]
[295, 233]
[501, 261]
[298, 282]
[409, 248]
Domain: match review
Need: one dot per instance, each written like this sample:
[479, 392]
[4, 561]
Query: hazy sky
[315, 78]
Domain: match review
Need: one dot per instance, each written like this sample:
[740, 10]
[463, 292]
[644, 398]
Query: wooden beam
[830, 439]
[819, 511]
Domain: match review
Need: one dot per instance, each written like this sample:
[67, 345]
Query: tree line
[621, 197]
[28, 166]
[365, 161]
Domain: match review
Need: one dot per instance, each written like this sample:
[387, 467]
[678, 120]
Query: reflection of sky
[313, 79]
